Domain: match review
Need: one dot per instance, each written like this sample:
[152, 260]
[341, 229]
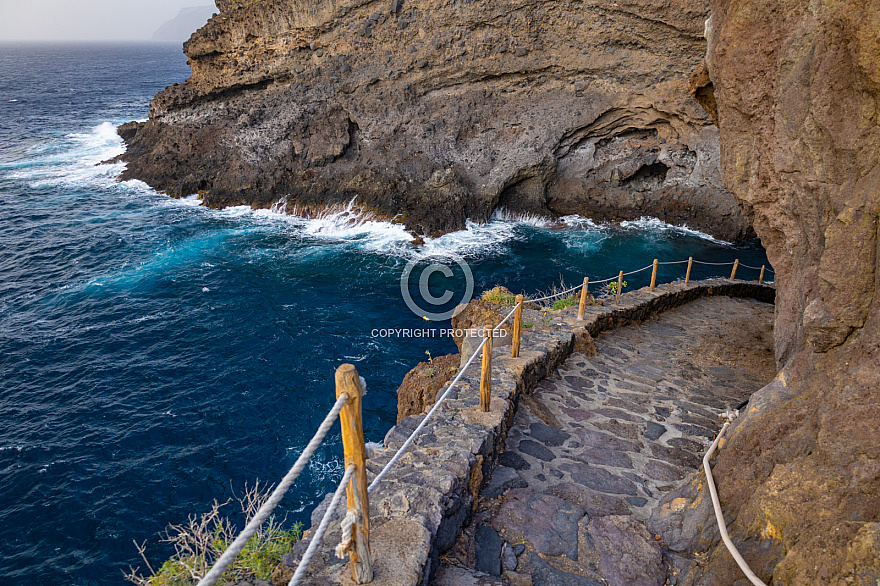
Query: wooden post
[619, 287]
[654, 275]
[687, 276]
[486, 374]
[761, 276]
[348, 381]
[733, 272]
[517, 326]
[585, 290]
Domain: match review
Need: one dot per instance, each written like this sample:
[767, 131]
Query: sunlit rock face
[797, 89]
[434, 111]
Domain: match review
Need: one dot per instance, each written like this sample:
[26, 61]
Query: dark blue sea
[156, 355]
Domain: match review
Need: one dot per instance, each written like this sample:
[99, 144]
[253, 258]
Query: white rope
[425, 420]
[766, 270]
[512, 311]
[714, 264]
[351, 519]
[672, 262]
[263, 513]
[319, 533]
[650, 266]
[719, 514]
[609, 279]
[576, 287]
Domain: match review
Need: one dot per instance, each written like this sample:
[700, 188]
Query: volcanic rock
[433, 112]
[797, 87]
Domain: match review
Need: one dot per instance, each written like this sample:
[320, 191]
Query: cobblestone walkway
[598, 444]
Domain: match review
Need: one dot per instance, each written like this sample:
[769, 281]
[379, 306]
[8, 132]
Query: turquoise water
[156, 355]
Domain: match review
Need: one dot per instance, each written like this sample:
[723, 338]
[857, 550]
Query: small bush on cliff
[568, 301]
[565, 302]
[611, 288]
[200, 542]
[500, 295]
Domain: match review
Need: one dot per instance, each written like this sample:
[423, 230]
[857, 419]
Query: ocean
[156, 355]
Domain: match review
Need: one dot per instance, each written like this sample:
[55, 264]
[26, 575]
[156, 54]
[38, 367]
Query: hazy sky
[80, 20]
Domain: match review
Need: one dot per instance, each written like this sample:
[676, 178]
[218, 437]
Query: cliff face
[435, 111]
[797, 87]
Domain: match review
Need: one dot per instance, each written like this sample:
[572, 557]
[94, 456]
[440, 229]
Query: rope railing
[653, 265]
[425, 420]
[266, 509]
[350, 389]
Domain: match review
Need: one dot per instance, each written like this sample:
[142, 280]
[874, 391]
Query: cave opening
[647, 177]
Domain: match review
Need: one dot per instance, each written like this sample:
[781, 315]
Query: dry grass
[200, 541]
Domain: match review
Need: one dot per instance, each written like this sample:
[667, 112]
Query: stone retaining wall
[420, 506]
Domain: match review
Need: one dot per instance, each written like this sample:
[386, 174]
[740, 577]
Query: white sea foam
[504, 215]
[649, 224]
[574, 221]
[475, 241]
[73, 160]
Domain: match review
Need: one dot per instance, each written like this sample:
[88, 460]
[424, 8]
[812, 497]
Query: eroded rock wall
[435, 111]
[797, 87]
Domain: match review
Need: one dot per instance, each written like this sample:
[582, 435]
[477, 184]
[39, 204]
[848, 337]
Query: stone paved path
[598, 444]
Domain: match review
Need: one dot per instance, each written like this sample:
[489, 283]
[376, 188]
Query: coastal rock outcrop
[797, 88]
[418, 391]
[433, 112]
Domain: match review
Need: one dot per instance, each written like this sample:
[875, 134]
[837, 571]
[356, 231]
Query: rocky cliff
[797, 91]
[435, 111]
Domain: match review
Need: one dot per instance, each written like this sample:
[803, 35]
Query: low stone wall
[421, 505]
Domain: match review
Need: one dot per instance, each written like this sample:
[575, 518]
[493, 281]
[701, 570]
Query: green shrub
[565, 302]
[612, 287]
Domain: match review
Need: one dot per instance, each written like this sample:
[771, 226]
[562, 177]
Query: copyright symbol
[435, 301]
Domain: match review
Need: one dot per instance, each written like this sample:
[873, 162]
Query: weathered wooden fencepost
[761, 276]
[687, 276]
[654, 275]
[585, 290]
[517, 326]
[733, 272]
[619, 287]
[348, 381]
[486, 373]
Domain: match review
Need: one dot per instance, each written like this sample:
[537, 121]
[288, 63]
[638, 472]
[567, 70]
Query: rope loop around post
[303, 566]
